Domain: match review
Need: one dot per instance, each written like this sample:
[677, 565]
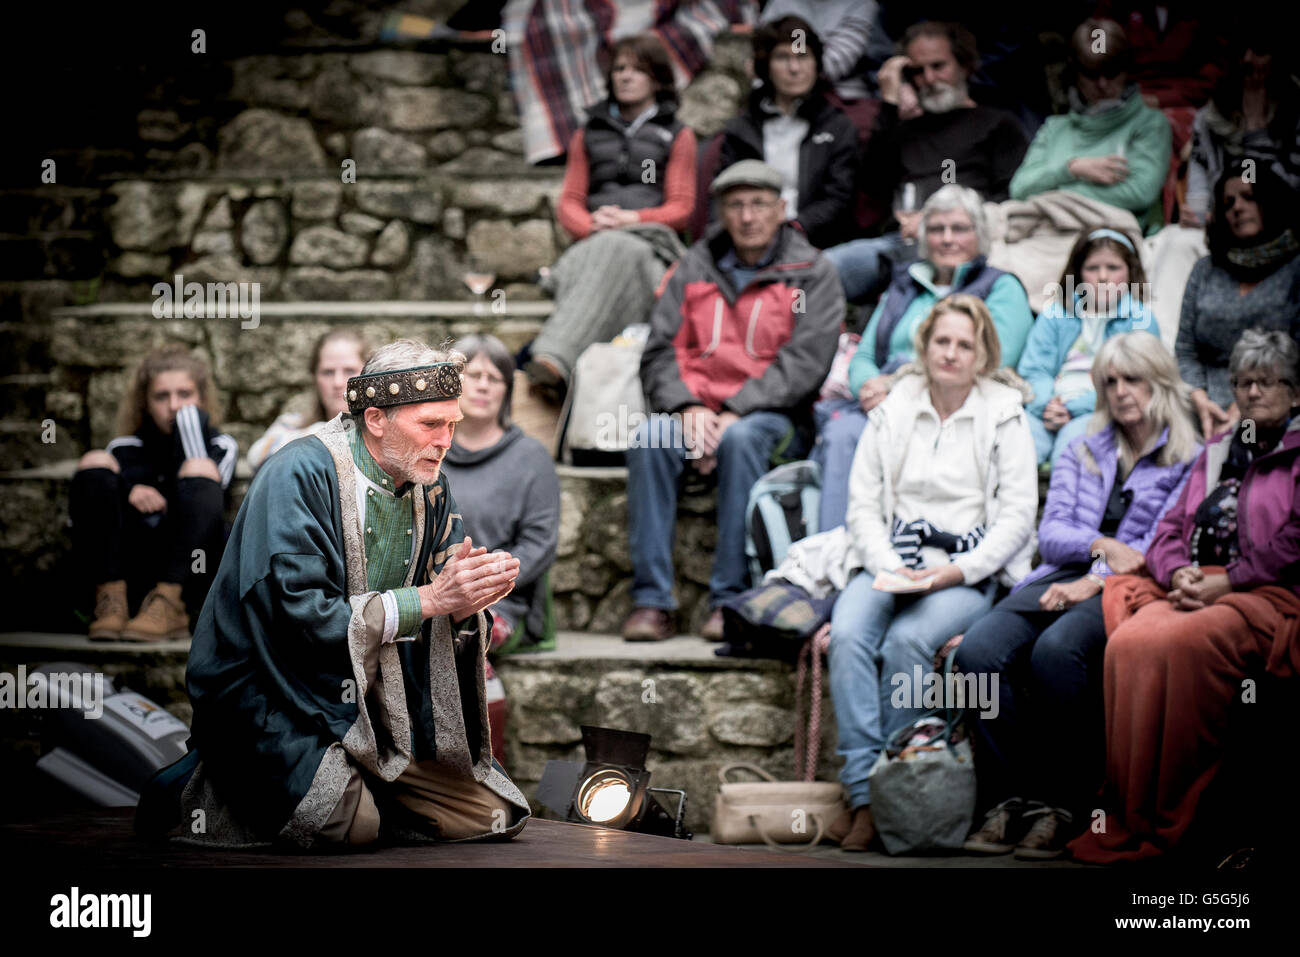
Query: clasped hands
[702, 430]
[612, 217]
[1191, 588]
[471, 580]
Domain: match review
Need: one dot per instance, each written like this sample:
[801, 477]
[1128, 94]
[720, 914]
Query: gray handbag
[923, 795]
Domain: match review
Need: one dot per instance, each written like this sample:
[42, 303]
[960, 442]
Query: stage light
[612, 787]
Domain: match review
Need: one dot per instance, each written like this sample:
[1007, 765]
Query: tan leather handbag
[774, 812]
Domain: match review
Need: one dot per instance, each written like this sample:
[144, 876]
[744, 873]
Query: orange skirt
[1171, 677]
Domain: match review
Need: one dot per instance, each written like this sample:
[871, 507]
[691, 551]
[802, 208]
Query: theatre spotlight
[612, 787]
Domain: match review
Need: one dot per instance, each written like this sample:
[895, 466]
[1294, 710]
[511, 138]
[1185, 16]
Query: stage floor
[105, 839]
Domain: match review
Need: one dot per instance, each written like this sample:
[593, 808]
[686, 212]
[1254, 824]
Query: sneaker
[1047, 836]
[995, 835]
[648, 624]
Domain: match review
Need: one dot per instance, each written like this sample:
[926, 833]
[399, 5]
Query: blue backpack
[782, 508]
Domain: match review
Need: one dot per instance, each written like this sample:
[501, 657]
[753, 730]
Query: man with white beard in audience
[952, 140]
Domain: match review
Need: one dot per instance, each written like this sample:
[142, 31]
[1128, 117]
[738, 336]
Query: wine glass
[479, 279]
[905, 201]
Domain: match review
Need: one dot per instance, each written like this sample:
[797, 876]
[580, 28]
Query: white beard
[943, 98]
[406, 460]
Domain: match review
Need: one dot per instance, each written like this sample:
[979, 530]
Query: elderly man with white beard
[337, 669]
[952, 139]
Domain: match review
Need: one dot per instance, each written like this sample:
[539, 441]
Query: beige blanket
[1032, 237]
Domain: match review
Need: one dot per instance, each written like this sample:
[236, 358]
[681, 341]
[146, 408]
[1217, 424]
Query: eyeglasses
[757, 205]
[959, 229]
[1243, 385]
[487, 377]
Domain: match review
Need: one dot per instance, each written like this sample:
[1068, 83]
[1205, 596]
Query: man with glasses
[1111, 146]
[740, 342]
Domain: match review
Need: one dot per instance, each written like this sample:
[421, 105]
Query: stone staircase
[702, 711]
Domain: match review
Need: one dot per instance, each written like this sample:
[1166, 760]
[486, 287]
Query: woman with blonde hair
[943, 491]
[1040, 754]
[147, 511]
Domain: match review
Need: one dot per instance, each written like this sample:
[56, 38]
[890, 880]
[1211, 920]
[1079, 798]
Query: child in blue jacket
[1101, 295]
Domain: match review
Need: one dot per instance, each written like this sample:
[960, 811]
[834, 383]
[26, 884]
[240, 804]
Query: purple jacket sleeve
[1062, 538]
[1170, 549]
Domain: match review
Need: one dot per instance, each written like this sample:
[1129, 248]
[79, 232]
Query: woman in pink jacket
[1222, 603]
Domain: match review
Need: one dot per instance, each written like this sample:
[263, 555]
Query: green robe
[277, 672]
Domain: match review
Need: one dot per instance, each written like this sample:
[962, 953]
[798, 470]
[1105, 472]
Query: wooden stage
[105, 839]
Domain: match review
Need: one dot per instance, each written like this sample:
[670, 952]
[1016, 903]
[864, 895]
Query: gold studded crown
[380, 390]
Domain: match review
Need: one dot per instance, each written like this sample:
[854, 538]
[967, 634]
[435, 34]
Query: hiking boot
[997, 834]
[162, 616]
[110, 611]
[1047, 837]
[648, 624]
[712, 630]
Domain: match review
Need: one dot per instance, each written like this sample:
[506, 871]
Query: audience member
[1221, 604]
[1111, 146]
[629, 187]
[1177, 58]
[147, 511]
[509, 495]
[1251, 278]
[336, 357]
[790, 125]
[1254, 113]
[1104, 272]
[558, 48]
[845, 28]
[954, 140]
[739, 343]
[953, 243]
[1040, 753]
[943, 492]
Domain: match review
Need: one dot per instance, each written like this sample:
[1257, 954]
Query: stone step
[590, 581]
[701, 711]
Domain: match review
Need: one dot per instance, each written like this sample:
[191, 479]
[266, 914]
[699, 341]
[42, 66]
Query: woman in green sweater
[1111, 146]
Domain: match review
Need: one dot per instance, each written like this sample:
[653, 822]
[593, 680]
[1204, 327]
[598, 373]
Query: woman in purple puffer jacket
[1042, 751]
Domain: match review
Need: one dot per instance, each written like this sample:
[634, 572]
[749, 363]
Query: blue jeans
[655, 462]
[874, 636]
[1052, 445]
[840, 424]
[1047, 742]
[865, 265]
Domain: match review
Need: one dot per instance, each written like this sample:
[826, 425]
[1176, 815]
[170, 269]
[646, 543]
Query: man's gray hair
[1268, 351]
[406, 354]
[950, 197]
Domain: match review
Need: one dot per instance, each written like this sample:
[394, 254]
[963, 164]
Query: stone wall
[380, 174]
[701, 716]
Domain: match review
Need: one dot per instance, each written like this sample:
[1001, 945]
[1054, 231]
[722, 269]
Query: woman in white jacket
[944, 490]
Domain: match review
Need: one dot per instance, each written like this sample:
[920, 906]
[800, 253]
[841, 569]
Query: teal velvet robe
[277, 671]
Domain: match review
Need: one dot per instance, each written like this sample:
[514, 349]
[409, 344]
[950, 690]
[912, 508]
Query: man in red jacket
[740, 342]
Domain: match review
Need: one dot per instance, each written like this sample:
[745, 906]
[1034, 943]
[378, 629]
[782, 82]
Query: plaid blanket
[556, 49]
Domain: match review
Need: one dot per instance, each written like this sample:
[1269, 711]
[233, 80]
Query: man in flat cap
[740, 342]
[337, 667]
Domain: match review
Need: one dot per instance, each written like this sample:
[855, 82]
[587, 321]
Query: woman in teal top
[1103, 283]
[953, 242]
[1111, 146]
